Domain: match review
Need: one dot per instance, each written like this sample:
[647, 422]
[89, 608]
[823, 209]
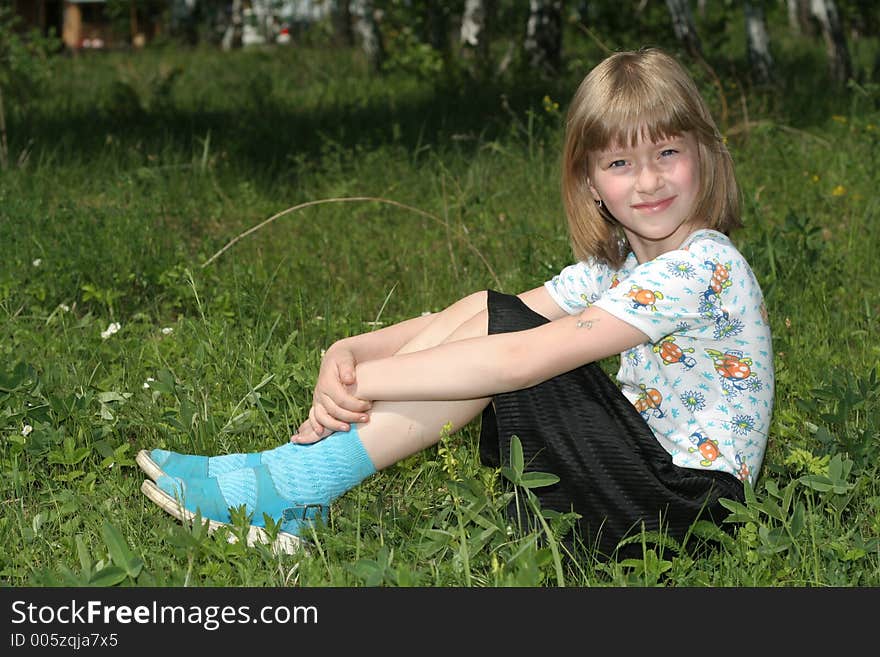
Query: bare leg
[399, 429]
[446, 322]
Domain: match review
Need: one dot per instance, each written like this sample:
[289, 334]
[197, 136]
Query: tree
[758, 41]
[342, 22]
[474, 35]
[436, 20]
[799, 16]
[234, 30]
[826, 14]
[543, 42]
[367, 28]
[684, 27]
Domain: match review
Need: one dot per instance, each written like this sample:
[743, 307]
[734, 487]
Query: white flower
[148, 382]
[37, 262]
[167, 330]
[64, 307]
[110, 330]
[26, 430]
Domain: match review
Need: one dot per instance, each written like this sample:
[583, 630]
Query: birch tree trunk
[758, 42]
[475, 33]
[543, 42]
[367, 28]
[232, 34]
[826, 14]
[799, 17]
[684, 27]
[473, 22]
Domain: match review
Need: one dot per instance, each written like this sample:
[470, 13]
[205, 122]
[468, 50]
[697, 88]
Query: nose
[649, 179]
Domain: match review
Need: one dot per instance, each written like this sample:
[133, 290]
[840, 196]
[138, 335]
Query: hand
[306, 433]
[334, 408]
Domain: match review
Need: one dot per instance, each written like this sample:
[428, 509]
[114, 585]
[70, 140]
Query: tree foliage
[23, 68]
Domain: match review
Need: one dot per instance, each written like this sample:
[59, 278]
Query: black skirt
[613, 472]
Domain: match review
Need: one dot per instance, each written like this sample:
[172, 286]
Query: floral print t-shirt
[704, 382]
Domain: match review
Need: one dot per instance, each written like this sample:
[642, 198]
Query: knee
[472, 303]
[475, 326]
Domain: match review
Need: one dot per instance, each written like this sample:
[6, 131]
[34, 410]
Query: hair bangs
[636, 115]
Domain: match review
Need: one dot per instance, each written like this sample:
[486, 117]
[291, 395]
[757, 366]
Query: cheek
[688, 177]
[610, 188]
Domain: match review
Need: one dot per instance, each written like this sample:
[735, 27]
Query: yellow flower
[815, 178]
[839, 118]
[550, 106]
[840, 190]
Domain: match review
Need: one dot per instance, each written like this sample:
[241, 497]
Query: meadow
[184, 232]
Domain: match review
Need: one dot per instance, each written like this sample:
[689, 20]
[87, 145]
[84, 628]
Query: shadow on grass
[272, 136]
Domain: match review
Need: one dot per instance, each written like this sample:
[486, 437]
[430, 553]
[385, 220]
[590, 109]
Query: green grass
[136, 171]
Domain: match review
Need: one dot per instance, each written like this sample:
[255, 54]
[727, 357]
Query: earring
[599, 203]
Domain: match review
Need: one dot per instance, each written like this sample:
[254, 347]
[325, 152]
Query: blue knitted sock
[190, 466]
[288, 484]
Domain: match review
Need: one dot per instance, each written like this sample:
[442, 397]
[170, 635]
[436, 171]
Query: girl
[650, 196]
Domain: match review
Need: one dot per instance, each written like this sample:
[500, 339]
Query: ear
[595, 194]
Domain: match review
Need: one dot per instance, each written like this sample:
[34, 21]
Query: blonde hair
[631, 96]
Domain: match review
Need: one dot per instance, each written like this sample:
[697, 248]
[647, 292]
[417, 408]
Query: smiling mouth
[654, 206]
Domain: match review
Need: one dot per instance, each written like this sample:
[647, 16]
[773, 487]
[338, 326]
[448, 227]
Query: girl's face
[651, 189]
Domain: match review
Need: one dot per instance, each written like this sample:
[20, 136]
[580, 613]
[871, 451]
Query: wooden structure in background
[84, 23]
[43, 15]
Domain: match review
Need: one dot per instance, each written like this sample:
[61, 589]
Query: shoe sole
[148, 465]
[284, 543]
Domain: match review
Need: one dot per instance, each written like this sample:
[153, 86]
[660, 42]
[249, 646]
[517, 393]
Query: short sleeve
[664, 295]
[580, 285]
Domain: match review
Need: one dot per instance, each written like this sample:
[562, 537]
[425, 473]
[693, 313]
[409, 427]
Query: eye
[616, 163]
[666, 152]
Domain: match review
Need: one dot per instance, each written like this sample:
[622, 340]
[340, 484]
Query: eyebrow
[619, 150]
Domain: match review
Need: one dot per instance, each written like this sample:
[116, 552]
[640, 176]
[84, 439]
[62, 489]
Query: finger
[316, 427]
[346, 372]
[314, 420]
[341, 397]
[305, 435]
[341, 413]
[297, 435]
[328, 421]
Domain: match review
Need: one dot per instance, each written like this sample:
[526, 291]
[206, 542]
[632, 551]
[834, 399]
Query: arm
[478, 367]
[334, 405]
[541, 302]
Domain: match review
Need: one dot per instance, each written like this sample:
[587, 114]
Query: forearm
[478, 367]
[464, 369]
